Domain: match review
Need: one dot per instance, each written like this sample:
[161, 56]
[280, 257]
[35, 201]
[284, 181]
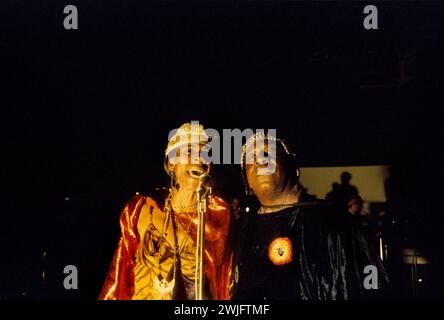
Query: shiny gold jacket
[120, 283]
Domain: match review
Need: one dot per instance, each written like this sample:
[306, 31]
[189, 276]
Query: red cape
[119, 283]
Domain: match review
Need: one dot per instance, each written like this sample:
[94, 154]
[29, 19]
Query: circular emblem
[280, 251]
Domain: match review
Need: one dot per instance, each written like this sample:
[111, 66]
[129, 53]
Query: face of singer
[187, 174]
[271, 179]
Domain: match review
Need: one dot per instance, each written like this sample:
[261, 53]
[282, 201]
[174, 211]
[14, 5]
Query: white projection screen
[368, 179]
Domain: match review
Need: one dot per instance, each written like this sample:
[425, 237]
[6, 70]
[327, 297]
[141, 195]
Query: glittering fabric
[125, 267]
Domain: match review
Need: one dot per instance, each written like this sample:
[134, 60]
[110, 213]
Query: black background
[86, 113]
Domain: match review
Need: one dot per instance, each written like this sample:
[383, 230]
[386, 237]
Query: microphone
[204, 184]
[202, 190]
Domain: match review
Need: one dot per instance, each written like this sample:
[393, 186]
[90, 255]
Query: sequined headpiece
[188, 133]
[259, 136]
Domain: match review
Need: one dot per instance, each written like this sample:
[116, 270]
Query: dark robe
[310, 251]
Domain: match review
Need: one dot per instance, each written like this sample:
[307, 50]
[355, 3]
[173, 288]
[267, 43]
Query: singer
[156, 255]
[295, 246]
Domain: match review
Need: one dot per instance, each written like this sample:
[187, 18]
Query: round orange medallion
[280, 251]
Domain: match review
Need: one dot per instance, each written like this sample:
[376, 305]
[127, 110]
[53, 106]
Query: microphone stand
[202, 191]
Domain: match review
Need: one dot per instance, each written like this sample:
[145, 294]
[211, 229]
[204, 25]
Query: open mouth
[195, 172]
[264, 172]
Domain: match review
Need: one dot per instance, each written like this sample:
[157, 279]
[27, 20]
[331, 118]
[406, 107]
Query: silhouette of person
[333, 194]
[236, 210]
[343, 192]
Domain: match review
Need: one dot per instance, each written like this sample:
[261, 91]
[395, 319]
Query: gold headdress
[186, 134]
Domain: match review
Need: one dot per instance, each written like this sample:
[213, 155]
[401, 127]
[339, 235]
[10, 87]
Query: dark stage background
[86, 113]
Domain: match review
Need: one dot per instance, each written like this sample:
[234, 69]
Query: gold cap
[186, 134]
